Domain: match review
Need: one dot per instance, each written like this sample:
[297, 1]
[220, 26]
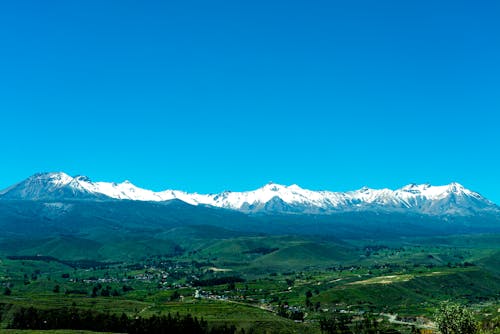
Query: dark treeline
[73, 318]
[33, 258]
[218, 281]
[78, 264]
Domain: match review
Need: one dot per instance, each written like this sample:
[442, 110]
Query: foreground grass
[214, 311]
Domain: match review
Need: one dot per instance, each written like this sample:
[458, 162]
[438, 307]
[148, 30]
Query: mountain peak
[364, 189]
[418, 198]
[57, 178]
[50, 175]
[82, 178]
[295, 187]
[456, 187]
[271, 186]
[48, 186]
[416, 187]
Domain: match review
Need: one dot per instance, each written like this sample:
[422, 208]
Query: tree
[335, 324]
[175, 296]
[308, 303]
[367, 325]
[455, 319]
[127, 288]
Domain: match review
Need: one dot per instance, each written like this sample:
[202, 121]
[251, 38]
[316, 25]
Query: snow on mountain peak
[271, 186]
[82, 178]
[295, 187]
[364, 189]
[415, 188]
[56, 178]
[421, 198]
[456, 187]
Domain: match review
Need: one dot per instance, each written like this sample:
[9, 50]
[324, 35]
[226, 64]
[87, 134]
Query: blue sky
[207, 96]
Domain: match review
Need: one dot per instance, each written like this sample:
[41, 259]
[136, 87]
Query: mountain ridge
[451, 199]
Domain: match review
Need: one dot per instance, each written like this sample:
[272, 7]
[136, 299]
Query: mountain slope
[452, 199]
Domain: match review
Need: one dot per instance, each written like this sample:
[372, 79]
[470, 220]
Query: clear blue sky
[212, 95]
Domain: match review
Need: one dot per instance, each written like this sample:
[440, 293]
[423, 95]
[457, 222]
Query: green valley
[260, 283]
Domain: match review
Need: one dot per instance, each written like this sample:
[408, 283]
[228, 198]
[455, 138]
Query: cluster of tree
[218, 281]
[127, 288]
[82, 264]
[342, 323]
[73, 318]
[337, 323]
[374, 249]
[135, 266]
[309, 304]
[455, 319]
[33, 277]
[88, 264]
[460, 264]
[32, 258]
[290, 312]
[450, 319]
[104, 292]
[175, 296]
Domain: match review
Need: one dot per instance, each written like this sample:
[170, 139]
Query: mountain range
[451, 199]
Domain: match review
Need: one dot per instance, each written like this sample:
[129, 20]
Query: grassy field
[263, 283]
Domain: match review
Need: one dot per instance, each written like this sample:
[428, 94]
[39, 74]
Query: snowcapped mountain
[452, 199]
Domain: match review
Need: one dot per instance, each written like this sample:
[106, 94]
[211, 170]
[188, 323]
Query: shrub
[453, 318]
